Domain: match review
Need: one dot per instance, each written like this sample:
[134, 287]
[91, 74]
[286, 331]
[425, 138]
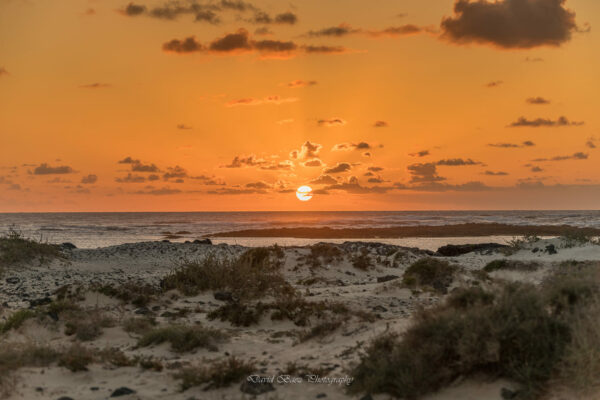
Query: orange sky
[388, 105]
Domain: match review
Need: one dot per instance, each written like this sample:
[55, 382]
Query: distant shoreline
[412, 231]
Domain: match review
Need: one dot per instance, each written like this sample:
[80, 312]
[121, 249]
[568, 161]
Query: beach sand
[272, 345]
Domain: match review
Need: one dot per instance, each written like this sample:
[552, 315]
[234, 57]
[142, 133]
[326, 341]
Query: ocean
[90, 230]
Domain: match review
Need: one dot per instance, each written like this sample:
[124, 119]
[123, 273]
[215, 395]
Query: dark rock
[535, 250]
[13, 280]
[508, 394]
[386, 278]
[155, 308]
[68, 246]
[40, 302]
[53, 315]
[379, 308]
[122, 391]
[39, 389]
[452, 250]
[321, 395]
[203, 241]
[166, 241]
[142, 311]
[551, 249]
[256, 388]
[65, 398]
[367, 397]
[223, 296]
[94, 388]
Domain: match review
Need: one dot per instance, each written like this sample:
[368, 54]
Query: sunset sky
[218, 105]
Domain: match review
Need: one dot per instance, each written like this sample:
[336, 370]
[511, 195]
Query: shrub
[87, 325]
[216, 375]
[362, 261]
[239, 314]
[326, 252]
[14, 356]
[137, 293]
[431, 272]
[253, 275]
[515, 336]
[16, 320]
[183, 338]
[76, 358]
[138, 326]
[510, 265]
[320, 330]
[16, 249]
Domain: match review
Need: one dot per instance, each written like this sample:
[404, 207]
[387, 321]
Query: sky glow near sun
[407, 105]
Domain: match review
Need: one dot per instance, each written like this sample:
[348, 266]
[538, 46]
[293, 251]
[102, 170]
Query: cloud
[258, 185]
[424, 172]
[278, 166]
[128, 160]
[286, 18]
[175, 172]
[422, 153]
[237, 41]
[351, 146]
[130, 178]
[331, 122]
[536, 169]
[307, 150]
[251, 101]
[133, 10]
[510, 24]
[380, 124]
[187, 45]
[574, 156]
[164, 191]
[591, 143]
[322, 49]
[249, 161]
[183, 127]
[375, 169]
[315, 162]
[457, 162]
[402, 30]
[537, 100]
[45, 169]
[543, 122]
[263, 31]
[493, 173]
[324, 180]
[299, 83]
[89, 179]
[473, 186]
[494, 84]
[353, 186]
[3, 71]
[95, 85]
[527, 143]
[335, 31]
[236, 191]
[338, 169]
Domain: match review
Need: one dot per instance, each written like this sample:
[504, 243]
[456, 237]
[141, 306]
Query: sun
[304, 193]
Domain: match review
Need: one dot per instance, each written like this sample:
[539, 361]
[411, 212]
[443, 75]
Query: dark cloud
[421, 153]
[286, 18]
[236, 191]
[3, 71]
[261, 17]
[331, 122]
[164, 191]
[95, 85]
[134, 9]
[536, 169]
[300, 83]
[474, 186]
[574, 156]
[457, 162]
[311, 49]
[274, 46]
[375, 169]
[494, 84]
[129, 160]
[308, 150]
[175, 172]
[402, 30]
[258, 185]
[351, 146]
[527, 143]
[338, 169]
[315, 162]
[263, 31]
[130, 178]
[424, 172]
[183, 127]
[380, 124]
[251, 101]
[537, 100]
[324, 180]
[231, 42]
[208, 16]
[45, 169]
[278, 166]
[249, 161]
[543, 122]
[89, 179]
[591, 143]
[494, 173]
[153, 177]
[336, 31]
[352, 185]
[187, 45]
[510, 23]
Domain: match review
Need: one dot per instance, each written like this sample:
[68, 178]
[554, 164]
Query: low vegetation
[137, 293]
[362, 260]
[17, 249]
[183, 338]
[16, 320]
[511, 265]
[524, 333]
[430, 272]
[323, 253]
[215, 375]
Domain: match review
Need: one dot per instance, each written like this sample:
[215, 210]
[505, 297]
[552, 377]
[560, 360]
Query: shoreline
[458, 230]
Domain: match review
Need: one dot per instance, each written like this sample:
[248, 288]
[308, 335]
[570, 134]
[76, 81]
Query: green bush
[183, 338]
[431, 272]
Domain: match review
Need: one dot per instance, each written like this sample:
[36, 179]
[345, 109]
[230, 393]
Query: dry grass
[184, 338]
[323, 253]
[16, 320]
[16, 249]
[139, 294]
[216, 374]
[511, 265]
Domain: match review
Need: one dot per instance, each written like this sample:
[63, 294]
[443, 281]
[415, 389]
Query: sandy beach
[361, 289]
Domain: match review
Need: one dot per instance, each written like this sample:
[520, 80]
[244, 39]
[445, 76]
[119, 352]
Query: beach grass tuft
[430, 272]
[183, 338]
[17, 249]
[216, 374]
